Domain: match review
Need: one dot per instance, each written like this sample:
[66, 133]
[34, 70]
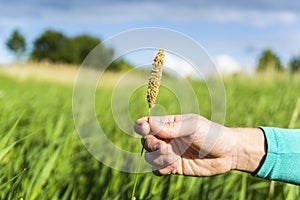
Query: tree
[50, 46]
[294, 64]
[83, 44]
[17, 44]
[268, 61]
[120, 65]
[56, 47]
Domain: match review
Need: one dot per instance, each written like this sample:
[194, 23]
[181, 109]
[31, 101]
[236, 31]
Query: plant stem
[139, 164]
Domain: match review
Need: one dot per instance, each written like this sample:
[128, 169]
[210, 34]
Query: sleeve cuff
[283, 155]
[271, 155]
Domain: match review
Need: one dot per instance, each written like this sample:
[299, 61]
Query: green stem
[139, 164]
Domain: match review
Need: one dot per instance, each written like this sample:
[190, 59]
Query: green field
[42, 157]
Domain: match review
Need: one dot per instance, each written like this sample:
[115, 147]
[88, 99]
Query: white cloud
[226, 64]
[125, 11]
[178, 66]
[262, 19]
[77, 15]
[155, 10]
[257, 18]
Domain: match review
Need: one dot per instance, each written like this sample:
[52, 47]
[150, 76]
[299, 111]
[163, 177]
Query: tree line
[269, 61]
[55, 47]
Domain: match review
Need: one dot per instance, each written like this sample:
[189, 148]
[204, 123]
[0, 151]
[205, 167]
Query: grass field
[42, 157]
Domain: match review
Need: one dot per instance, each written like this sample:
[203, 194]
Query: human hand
[192, 145]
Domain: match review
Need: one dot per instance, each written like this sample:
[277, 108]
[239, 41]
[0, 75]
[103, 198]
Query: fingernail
[142, 128]
[157, 147]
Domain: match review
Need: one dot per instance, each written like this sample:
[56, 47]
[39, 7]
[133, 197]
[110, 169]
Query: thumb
[173, 126]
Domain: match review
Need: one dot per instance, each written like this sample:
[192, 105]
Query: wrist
[250, 149]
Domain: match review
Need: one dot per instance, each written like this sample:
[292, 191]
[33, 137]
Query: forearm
[251, 148]
[270, 153]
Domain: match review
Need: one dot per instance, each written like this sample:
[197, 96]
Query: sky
[233, 33]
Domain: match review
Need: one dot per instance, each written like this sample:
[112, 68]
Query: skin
[194, 146]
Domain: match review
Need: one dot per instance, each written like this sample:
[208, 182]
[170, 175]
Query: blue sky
[232, 32]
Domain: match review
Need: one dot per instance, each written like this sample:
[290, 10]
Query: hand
[192, 145]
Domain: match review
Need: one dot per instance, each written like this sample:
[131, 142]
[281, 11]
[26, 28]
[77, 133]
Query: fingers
[171, 127]
[170, 169]
[161, 133]
[160, 155]
[161, 164]
[168, 127]
[159, 160]
[142, 126]
[151, 143]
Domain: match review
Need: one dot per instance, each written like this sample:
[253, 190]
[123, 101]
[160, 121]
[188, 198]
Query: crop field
[42, 156]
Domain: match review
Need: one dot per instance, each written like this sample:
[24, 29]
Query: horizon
[233, 33]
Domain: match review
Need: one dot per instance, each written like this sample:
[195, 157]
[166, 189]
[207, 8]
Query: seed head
[154, 80]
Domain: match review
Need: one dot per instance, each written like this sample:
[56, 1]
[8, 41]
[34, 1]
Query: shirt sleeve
[282, 161]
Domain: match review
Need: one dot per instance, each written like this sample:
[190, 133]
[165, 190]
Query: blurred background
[254, 45]
[234, 33]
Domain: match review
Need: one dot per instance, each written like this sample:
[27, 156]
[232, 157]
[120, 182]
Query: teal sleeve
[282, 161]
